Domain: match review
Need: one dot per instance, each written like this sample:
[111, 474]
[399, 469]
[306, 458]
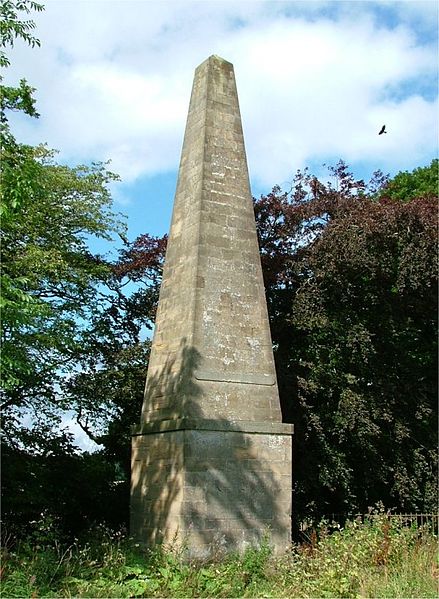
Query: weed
[377, 558]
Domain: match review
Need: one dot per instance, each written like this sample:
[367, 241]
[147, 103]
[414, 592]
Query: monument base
[211, 486]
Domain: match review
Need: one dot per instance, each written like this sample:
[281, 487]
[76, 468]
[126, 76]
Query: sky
[316, 81]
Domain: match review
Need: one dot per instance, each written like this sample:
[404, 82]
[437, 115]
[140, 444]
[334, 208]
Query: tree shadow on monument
[209, 483]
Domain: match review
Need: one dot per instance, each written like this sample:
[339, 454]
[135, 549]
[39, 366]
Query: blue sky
[316, 80]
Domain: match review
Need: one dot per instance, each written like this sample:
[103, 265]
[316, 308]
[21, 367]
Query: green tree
[64, 313]
[405, 186]
[49, 277]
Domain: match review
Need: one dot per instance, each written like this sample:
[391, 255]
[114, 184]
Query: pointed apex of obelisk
[214, 58]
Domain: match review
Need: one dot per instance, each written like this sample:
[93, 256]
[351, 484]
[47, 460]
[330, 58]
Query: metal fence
[420, 521]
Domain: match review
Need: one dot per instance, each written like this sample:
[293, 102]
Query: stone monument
[211, 459]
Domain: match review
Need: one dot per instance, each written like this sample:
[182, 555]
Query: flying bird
[383, 130]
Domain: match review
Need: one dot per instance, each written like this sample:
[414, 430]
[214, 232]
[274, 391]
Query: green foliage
[11, 27]
[40, 502]
[422, 182]
[378, 558]
[63, 312]
[16, 98]
[49, 276]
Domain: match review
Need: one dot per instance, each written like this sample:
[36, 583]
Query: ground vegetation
[377, 558]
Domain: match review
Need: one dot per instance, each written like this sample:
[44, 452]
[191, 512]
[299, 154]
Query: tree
[423, 181]
[73, 322]
[11, 28]
[351, 284]
[115, 369]
[49, 276]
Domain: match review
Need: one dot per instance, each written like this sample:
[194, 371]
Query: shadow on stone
[206, 485]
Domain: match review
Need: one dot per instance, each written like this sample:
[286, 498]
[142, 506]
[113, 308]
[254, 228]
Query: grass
[377, 558]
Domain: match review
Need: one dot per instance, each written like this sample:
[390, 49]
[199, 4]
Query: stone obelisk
[211, 460]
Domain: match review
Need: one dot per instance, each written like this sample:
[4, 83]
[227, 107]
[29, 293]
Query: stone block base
[209, 486]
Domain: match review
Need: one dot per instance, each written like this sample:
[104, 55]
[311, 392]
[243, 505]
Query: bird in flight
[383, 130]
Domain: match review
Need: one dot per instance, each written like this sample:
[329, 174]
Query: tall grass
[377, 558]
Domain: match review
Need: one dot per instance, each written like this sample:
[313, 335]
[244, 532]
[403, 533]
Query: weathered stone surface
[211, 460]
[220, 489]
[249, 426]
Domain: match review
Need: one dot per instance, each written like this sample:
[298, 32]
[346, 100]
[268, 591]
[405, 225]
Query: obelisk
[211, 460]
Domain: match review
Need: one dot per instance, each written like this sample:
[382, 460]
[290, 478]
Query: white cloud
[320, 92]
[114, 81]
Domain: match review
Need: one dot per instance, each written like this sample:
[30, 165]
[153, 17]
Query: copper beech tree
[351, 281]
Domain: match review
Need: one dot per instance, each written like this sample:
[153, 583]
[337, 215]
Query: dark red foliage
[351, 285]
[288, 221]
[143, 259]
